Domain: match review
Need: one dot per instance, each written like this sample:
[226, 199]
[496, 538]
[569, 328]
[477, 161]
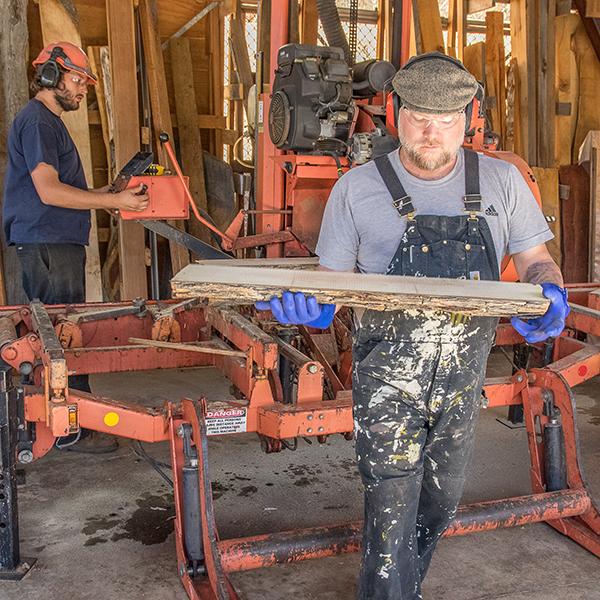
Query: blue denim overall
[417, 383]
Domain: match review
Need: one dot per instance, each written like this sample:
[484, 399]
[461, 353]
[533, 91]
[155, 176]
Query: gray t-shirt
[361, 229]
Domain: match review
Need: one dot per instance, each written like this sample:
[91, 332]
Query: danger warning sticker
[220, 421]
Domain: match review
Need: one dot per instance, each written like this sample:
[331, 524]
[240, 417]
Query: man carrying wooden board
[431, 209]
[46, 210]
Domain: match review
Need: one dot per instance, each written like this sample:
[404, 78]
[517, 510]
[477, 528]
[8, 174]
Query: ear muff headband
[479, 94]
[50, 71]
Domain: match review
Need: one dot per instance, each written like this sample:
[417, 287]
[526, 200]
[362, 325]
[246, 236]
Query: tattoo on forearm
[543, 271]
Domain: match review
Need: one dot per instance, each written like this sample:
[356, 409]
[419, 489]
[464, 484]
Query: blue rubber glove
[298, 309]
[552, 322]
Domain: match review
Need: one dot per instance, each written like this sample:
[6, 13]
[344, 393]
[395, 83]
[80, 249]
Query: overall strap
[472, 197]
[400, 199]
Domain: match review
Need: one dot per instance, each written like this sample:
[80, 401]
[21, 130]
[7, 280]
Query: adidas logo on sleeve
[491, 211]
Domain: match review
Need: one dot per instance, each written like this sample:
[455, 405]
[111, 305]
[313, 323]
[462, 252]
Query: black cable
[153, 462]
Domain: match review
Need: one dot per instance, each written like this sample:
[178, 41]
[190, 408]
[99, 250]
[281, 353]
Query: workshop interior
[237, 118]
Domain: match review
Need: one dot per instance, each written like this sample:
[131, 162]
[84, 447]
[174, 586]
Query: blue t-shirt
[37, 135]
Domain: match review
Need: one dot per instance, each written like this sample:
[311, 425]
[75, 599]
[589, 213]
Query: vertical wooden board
[545, 73]
[547, 180]
[523, 39]
[575, 221]
[495, 76]
[452, 28]
[474, 59]
[588, 113]
[159, 101]
[592, 9]
[567, 88]
[190, 143]
[513, 131]
[461, 28]
[239, 47]
[58, 24]
[430, 25]
[590, 154]
[216, 68]
[309, 22]
[13, 96]
[263, 39]
[121, 41]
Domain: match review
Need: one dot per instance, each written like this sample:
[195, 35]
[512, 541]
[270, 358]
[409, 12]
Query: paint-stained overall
[417, 390]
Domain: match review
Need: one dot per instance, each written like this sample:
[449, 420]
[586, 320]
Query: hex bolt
[321, 428]
[321, 416]
[309, 430]
[519, 378]
[309, 417]
[313, 369]
[181, 570]
[25, 456]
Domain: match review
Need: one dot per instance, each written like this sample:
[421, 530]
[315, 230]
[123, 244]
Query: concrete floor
[101, 526]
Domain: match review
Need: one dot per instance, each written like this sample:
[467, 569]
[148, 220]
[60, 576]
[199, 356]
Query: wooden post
[567, 89]
[121, 40]
[495, 76]
[452, 23]
[239, 47]
[159, 101]
[545, 70]
[523, 40]
[590, 153]
[547, 180]
[190, 141]
[430, 26]
[309, 22]
[461, 27]
[58, 24]
[13, 96]
[588, 111]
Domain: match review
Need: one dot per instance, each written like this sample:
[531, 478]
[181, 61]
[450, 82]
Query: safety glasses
[423, 121]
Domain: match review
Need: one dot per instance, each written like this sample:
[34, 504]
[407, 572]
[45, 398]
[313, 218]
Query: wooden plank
[513, 139]
[452, 28]
[592, 9]
[545, 72]
[14, 94]
[245, 285]
[190, 141]
[100, 63]
[495, 72]
[567, 88]
[239, 48]
[204, 121]
[216, 29]
[202, 347]
[575, 221]
[474, 59]
[547, 180]
[474, 6]
[523, 39]
[588, 110]
[427, 14]
[121, 41]
[309, 22]
[461, 28]
[58, 23]
[590, 156]
[159, 101]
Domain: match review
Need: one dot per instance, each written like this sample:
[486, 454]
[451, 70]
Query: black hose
[332, 26]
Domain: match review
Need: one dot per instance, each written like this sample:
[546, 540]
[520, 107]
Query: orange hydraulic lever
[227, 242]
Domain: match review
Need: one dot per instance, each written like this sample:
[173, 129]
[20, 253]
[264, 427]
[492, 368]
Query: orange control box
[167, 198]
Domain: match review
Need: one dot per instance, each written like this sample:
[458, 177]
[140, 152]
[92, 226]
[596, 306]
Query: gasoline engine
[315, 97]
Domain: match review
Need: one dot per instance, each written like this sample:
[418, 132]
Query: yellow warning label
[111, 419]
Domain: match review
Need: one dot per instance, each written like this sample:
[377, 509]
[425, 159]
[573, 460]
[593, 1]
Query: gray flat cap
[434, 83]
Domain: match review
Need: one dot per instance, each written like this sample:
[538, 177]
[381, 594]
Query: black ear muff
[50, 71]
[469, 116]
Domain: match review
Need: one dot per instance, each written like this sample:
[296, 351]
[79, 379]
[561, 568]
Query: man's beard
[66, 100]
[428, 163]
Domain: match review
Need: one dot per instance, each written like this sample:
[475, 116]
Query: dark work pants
[55, 274]
[415, 408]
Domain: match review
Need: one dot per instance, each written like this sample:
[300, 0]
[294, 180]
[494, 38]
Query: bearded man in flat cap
[430, 209]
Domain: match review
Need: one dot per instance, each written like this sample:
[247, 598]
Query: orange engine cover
[167, 198]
